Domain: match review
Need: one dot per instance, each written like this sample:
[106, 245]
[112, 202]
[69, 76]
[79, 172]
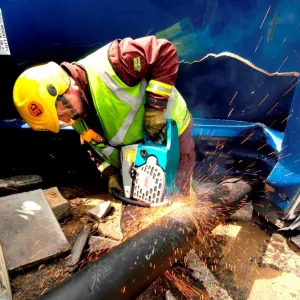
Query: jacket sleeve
[150, 58]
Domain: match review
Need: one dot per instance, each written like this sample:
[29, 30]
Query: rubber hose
[129, 201]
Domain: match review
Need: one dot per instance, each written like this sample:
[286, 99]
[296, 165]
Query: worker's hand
[114, 182]
[154, 122]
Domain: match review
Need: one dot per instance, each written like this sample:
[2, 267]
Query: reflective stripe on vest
[107, 151]
[103, 166]
[168, 113]
[133, 102]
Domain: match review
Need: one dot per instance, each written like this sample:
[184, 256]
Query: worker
[111, 98]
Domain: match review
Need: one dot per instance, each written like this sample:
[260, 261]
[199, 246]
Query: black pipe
[127, 270]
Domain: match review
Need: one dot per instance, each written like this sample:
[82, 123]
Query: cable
[129, 201]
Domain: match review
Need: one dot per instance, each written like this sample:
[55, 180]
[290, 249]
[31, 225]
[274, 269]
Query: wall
[266, 32]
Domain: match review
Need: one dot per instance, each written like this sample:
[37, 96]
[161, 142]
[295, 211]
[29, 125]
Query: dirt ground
[255, 264]
[248, 259]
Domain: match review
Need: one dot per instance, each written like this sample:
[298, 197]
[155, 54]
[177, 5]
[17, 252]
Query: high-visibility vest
[120, 108]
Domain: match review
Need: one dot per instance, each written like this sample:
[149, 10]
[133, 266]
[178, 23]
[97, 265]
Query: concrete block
[60, 206]
[100, 211]
[29, 231]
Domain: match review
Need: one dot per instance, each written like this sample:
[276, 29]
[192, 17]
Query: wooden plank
[76, 252]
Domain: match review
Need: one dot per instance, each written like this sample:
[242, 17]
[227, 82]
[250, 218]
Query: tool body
[149, 169]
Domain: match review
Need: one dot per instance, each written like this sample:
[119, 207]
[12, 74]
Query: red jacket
[158, 61]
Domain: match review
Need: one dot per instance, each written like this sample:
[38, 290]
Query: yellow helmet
[35, 93]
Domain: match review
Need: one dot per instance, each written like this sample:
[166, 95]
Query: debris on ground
[59, 205]
[74, 257]
[204, 275]
[169, 295]
[233, 253]
[279, 255]
[100, 211]
[244, 213]
[111, 226]
[296, 240]
[99, 244]
[265, 208]
[295, 225]
[230, 191]
[29, 231]
[5, 290]
[229, 230]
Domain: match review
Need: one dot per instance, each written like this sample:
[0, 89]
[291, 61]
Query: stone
[29, 231]
[265, 208]
[280, 256]
[244, 213]
[228, 230]
[169, 296]
[60, 206]
[204, 275]
[100, 211]
[111, 226]
[74, 257]
[98, 243]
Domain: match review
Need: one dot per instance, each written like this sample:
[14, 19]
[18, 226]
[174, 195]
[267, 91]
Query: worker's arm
[107, 170]
[104, 166]
[147, 58]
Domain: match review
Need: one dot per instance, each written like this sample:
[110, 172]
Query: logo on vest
[35, 109]
[137, 64]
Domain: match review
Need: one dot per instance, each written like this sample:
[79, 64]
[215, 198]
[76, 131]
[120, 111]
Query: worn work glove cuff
[114, 182]
[154, 122]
